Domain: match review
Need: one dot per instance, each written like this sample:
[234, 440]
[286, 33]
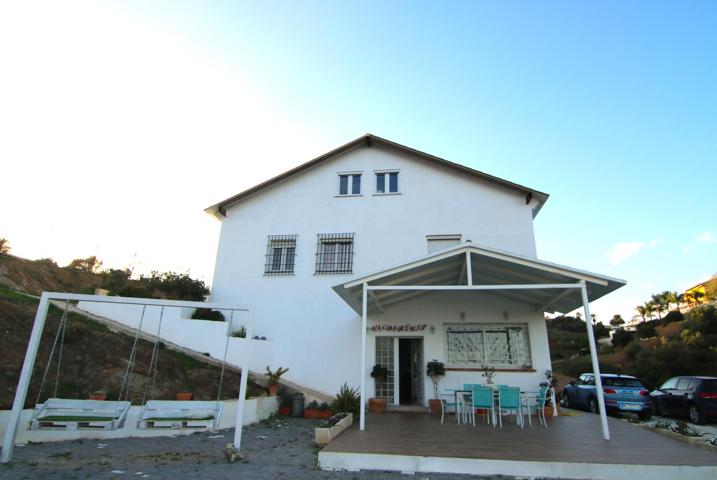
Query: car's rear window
[710, 386]
[620, 382]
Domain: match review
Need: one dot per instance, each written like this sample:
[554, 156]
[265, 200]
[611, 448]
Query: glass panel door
[384, 357]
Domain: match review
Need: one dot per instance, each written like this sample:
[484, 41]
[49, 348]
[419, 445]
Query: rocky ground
[278, 448]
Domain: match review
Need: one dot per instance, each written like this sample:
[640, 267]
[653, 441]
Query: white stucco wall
[314, 332]
[203, 336]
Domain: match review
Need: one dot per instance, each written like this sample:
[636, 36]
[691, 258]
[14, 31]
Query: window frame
[285, 243]
[345, 266]
[387, 182]
[349, 184]
[485, 328]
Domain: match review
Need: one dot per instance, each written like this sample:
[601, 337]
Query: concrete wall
[255, 410]
[314, 332]
[203, 336]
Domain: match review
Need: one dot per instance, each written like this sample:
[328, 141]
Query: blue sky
[608, 106]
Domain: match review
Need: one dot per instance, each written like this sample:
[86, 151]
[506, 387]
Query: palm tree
[643, 310]
[671, 297]
[658, 304]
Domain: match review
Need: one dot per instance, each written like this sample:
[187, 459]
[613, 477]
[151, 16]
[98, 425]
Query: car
[693, 397]
[622, 393]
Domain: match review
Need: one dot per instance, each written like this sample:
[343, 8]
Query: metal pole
[364, 315]
[596, 366]
[243, 384]
[25, 375]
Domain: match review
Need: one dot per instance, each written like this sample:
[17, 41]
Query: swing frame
[36, 336]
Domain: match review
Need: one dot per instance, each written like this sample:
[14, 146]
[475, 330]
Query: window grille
[334, 253]
[280, 255]
[384, 357]
[506, 346]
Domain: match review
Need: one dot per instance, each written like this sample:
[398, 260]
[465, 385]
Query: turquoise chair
[483, 399]
[509, 400]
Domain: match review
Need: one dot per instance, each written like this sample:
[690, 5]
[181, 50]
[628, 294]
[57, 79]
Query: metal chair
[483, 399]
[539, 406]
[509, 400]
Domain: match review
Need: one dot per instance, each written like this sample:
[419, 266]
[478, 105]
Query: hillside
[95, 358]
[34, 276]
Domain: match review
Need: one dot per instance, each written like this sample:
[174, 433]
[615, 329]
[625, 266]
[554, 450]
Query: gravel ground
[279, 448]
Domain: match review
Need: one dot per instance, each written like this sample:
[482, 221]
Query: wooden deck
[568, 440]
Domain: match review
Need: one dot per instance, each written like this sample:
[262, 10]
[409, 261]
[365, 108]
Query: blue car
[622, 393]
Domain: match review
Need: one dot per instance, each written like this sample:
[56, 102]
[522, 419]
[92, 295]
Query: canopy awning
[543, 285]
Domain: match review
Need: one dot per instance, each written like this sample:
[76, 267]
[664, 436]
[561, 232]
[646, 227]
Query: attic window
[441, 242]
[349, 184]
[386, 182]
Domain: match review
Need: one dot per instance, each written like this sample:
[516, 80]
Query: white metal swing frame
[36, 335]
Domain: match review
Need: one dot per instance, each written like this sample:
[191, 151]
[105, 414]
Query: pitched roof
[219, 209]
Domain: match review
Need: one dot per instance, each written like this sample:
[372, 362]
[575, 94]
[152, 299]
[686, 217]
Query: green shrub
[647, 329]
[347, 400]
[209, 314]
[673, 316]
[622, 337]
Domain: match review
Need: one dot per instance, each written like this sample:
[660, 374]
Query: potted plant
[317, 410]
[272, 379]
[332, 427]
[284, 402]
[378, 404]
[435, 370]
[185, 395]
[552, 384]
[488, 374]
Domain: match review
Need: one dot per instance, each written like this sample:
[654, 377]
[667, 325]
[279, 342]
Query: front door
[410, 378]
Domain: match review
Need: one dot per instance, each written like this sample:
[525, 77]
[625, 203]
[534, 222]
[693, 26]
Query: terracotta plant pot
[185, 396]
[548, 410]
[434, 405]
[313, 413]
[285, 410]
[98, 396]
[376, 405]
[273, 389]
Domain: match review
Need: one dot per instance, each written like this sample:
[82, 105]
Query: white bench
[68, 414]
[180, 414]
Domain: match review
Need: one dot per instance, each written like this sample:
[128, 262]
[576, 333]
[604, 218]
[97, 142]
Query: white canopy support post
[469, 268]
[364, 326]
[244, 378]
[25, 374]
[596, 366]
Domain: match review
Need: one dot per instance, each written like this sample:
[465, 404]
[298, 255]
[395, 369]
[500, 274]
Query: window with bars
[334, 253]
[280, 255]
[490, 345]
[386, 182]
[349, 184]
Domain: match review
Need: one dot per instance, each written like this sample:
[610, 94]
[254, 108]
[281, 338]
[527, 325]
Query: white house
[442, 256]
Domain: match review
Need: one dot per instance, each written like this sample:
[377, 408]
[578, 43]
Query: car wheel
[566, 400]
[658, 409]
[695, 414]
[593, 406]
[644, 415]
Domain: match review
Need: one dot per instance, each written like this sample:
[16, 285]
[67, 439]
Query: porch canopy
[542, 285]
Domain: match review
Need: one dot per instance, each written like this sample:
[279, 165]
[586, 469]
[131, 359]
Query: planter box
[322, 435]
[285, 410]
[313, 413]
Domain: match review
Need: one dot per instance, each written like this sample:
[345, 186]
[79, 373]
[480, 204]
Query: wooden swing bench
[177, 414]
[68, 414]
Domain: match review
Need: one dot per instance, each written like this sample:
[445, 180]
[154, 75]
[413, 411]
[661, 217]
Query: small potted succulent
[272, 379]
[98, 395]
[378, 404]
[185, 395]
[435, 370]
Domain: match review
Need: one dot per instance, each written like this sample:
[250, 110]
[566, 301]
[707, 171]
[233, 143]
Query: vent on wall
[443, 241]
